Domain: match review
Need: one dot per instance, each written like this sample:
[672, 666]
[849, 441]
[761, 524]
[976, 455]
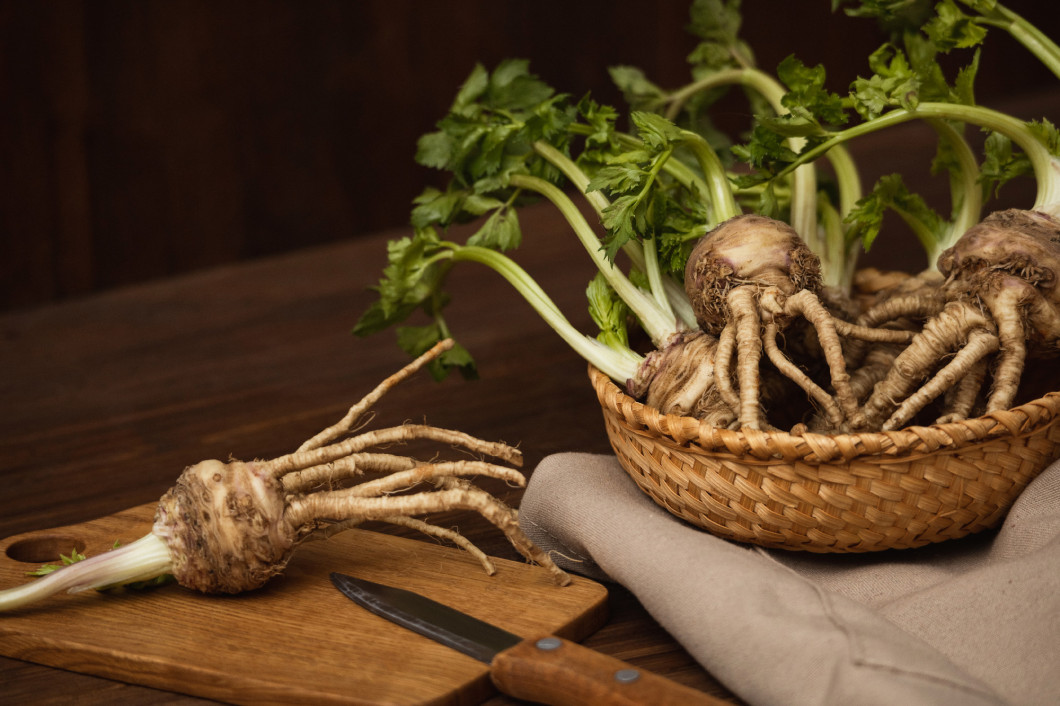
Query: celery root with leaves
[732, 259]
[986, 299]
[506, 141]
[658, 191]
[1000, 273]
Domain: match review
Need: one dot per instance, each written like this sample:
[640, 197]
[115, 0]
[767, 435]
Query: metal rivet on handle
[627, 676]
[549, 643]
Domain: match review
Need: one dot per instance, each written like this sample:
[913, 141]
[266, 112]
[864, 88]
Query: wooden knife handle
[551, 670]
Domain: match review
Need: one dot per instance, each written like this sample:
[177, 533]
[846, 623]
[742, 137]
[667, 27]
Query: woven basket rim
[813, 447]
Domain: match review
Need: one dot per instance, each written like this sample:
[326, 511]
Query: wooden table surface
[105, 400]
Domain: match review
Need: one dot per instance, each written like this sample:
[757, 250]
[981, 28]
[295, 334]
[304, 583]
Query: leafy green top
[509, 138]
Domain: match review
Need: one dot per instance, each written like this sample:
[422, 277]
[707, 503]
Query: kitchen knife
[546, 669]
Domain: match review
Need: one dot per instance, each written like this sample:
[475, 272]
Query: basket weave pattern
[833, 493]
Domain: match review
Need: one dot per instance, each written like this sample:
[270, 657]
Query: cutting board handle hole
[44, 548]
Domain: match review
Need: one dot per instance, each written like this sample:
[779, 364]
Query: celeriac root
[230, 527]
[1000, 297]
[993, 303]
[747, 280]
[679, 379]
[943, 334]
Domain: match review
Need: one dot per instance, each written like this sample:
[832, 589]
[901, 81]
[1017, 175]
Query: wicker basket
[833, 493]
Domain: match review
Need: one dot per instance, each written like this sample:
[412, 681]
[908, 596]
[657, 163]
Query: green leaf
[807, 95]
[767, 151]
[637, 90]
[489, 132]
[609, 312]
[434, 149]
[444, 208]
[409, 264]
[897, 16]
[500, 231]
[45, 569]
[768, 203]
[715, 20]
[890, 192]
[923, 58]
[893, 85]
[866, 220]
[904, 79]
[964, 86]
[717, 24]
[618, 177]
[491, 149]
[953, 29]
[473, 88]
[656, 131]
[1001, 163]
[475, 204]
[376, 318]
[1048, 134]
[871, 97]
[513, 88]
[417, 340]
[601, 121]
[433, 207]
[412, 279]
[619, 219]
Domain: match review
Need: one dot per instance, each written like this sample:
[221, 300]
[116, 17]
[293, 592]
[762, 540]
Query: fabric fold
[915, 627]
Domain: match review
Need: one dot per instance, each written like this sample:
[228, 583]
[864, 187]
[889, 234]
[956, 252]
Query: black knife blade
[462, 632]
[546, 669]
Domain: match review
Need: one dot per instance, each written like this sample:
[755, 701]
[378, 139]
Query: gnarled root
[747, 326]
[956, 327]
[831, 411]
[961, 399]
[1009, 263]
[314, 505]
[980, 344]
[759, 315]
[1004, 304]
[230, 527]
[747, 280]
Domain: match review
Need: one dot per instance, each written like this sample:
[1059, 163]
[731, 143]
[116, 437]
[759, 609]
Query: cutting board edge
[199, 683]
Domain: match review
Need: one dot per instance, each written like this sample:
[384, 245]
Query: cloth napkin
[969, 621]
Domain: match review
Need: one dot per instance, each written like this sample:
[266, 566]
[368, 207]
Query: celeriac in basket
[743, 279]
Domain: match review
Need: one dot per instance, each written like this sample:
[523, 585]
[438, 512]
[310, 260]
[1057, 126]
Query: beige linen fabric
[971, 621]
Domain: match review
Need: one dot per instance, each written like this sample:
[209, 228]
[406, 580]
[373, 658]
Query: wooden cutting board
[297, 640]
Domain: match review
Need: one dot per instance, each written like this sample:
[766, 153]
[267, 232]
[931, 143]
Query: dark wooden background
[143, 139]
